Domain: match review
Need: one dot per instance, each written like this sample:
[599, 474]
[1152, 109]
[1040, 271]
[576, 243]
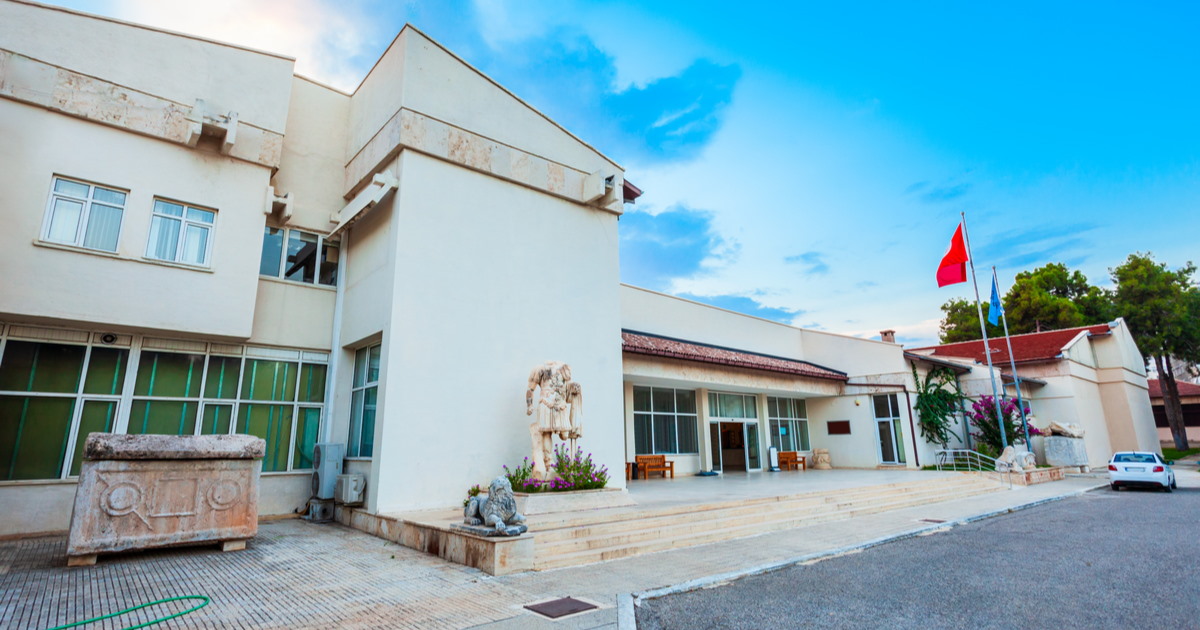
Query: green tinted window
[312, 383]
[41, 367]
[222, 378]
[215, 419]
[269, 380]
[98, 416]
[33, 436]
[307, 426]
[169, 374]
[272, 423]
[106, 371]
[166, 417]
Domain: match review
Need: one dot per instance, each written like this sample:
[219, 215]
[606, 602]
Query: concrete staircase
[576, 538]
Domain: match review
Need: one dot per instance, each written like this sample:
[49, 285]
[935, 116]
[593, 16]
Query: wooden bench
[792, 460]
[654, 463]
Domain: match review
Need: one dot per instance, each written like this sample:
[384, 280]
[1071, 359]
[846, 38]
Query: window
[887, 423]
[732, 406]
[364, 395]
[789, 424]
[180, 233]
[52, 395]
[84, 215]
[298, 256]
[664, 421]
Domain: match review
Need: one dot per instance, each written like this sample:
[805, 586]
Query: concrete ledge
[492, 555]
[1029, 477]
[551, 502]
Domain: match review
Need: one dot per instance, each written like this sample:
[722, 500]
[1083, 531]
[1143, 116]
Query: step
[808, 505]
[598, 541]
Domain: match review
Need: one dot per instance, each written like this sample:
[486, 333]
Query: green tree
[961, 322]
[1162, 308]
[1051, 297]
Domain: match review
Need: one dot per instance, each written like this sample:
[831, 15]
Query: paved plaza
[295, 574]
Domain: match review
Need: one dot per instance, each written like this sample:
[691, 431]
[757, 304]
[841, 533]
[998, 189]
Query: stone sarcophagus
[144, 491]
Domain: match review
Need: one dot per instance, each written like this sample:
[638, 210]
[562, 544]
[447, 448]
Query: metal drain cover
[556, 608]
[932, 520]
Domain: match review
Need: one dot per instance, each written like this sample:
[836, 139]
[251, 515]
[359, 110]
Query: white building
[200, 241]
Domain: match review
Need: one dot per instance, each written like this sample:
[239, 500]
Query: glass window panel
[775, 435]
[166, 207]
[272, 423]
[301, 262]
[714, 405]
[773, 407]
[195, 241]
[269, 380]
[97, 417]
[312, 382]
[215, 419]
[752, 446]
[222, 378]
[685, 401]
[307, 426]
[272, 252]
[731, 406]
[802, 435]
[664, 399]
[881, 407]
[106, 371]
[899, 433]
[106, 195]
[664, 434]
[163, 417]
[360, 367]
[75, 189]
[643, 442]
[33, 436]
[356, 414]
[801, 409]
[64, 221]
[103, 227]
[749, 407]
[329, 264]
[169, 374]
[641, 399]
[367, 441]
[373, 364]
[30, 366]
[203, 216]
[164, 236]
[687, 434]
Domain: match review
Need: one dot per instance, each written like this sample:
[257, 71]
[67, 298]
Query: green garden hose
[202, 604]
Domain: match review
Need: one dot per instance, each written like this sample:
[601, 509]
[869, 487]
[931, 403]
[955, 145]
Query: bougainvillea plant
[938, 398]
[987, 429]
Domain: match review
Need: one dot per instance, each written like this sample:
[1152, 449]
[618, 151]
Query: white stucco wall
[491, 279]
[217, 301]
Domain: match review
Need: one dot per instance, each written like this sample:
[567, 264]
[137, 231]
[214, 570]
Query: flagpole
[1012, 361]
[987, 350]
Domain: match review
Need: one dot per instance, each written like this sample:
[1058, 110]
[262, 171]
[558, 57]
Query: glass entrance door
[714, 444]
[887, 424]
[887, 442]
[735, 446]
[753, 461]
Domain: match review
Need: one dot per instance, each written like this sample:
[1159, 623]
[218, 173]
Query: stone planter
[572, 501]
[145, 491]
[1030, 477]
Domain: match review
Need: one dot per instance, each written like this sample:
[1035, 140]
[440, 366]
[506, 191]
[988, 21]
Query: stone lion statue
[497, 510]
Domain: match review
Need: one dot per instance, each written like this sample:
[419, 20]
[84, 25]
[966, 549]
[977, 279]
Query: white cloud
[324, 37]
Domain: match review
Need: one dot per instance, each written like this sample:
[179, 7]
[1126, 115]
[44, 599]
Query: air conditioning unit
[327, 465]
[350, 489]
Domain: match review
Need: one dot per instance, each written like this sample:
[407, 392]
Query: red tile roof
[642, 343]
[1185, 388]
[1028, 348]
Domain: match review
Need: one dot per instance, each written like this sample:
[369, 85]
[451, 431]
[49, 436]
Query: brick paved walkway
[299, 575]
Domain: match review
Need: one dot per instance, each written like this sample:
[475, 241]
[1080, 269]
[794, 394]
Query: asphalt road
[1128, 559]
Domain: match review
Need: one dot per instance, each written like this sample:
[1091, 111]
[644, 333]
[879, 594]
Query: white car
[1142, 469]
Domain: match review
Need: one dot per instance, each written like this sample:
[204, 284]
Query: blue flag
[995, 309]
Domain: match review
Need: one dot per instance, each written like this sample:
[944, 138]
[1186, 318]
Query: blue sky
[807, 162]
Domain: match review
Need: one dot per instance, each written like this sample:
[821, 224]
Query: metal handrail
[968, 460]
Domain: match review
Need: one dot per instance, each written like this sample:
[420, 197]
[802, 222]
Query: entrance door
[887, 442]
[714, 445]
[735, 446]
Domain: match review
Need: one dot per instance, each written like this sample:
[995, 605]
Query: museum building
[200, 241]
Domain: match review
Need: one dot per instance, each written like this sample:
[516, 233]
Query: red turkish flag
[953, 268]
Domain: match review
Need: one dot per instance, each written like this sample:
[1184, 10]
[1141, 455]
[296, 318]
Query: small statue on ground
[497, 510]
[1012, 461]
[821, 459]
[559, 411]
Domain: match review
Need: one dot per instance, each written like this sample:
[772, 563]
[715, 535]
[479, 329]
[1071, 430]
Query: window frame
[353, 442]
[675, 417]
[85, 214]
[125, 399]
[184, 223]
[323, 241]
